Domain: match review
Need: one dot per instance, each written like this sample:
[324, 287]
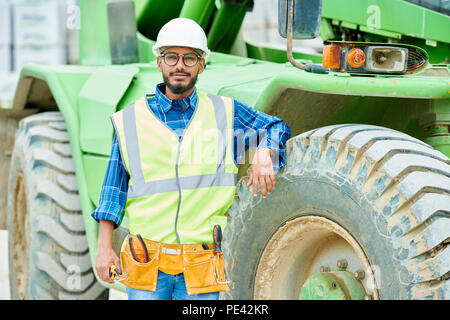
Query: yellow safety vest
[178, 189]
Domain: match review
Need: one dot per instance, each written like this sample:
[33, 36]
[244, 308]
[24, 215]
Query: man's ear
[158, 61]
[202, 66]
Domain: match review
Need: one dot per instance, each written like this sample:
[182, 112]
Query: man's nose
[180, 64]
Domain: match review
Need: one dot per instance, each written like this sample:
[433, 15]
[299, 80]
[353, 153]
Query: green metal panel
[153, 14]
[390, 15]
[145, 45]
[96, 167]
[97, 101]
[279, 56]
[198, 10]
[225, 26]
[143, 83]
[94, 35]
[139, 7]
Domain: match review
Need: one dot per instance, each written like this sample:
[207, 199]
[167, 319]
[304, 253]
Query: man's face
[180, 78]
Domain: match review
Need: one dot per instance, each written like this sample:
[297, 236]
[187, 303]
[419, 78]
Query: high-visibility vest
[178, 188]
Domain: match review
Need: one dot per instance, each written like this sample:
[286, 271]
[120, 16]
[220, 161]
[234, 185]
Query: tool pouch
[204, 271]
[140, 275]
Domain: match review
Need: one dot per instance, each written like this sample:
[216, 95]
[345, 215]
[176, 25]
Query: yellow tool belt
[203, 270]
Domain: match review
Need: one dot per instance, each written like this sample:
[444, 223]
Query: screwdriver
[217, 239]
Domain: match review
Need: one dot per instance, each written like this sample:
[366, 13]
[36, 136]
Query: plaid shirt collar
[166, 104]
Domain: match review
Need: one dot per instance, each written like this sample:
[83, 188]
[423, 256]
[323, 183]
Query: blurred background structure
[35, 31]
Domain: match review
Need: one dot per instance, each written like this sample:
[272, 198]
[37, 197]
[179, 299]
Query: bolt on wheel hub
[336, 285]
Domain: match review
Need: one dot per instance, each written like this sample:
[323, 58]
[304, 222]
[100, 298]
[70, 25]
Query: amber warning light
[356, 58]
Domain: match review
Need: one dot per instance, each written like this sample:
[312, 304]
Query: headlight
[386, 59]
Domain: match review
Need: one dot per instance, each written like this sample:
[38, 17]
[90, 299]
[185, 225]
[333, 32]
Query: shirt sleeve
[113, 196]
[254, 128]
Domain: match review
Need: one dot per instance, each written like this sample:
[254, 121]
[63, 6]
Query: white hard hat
[181, 32]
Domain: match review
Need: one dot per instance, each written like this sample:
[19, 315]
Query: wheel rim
[304, 247]
[20, 238]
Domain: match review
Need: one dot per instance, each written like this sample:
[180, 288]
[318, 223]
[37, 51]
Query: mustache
[180, 72]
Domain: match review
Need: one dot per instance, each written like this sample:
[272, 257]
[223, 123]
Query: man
[173, 170]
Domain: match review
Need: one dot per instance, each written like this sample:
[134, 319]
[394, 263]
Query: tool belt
[204, 271]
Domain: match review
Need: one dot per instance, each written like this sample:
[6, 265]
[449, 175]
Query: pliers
[144, 247]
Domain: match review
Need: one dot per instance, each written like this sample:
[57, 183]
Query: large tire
[48, 250]
[387, 191]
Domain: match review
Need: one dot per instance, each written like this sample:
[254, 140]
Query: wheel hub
[295, 263]
[337, 285]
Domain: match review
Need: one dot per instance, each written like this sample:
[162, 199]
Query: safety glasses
[189, 59]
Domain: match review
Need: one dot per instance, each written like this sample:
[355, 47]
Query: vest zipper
[179, 188]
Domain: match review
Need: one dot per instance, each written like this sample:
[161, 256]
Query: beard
[178, 89]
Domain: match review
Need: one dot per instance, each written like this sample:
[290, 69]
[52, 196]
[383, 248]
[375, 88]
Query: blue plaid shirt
[249, 127]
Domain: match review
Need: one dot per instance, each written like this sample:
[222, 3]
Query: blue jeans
[169, 287]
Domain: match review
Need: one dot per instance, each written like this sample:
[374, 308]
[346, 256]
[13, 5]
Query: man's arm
[109, 213]
[106, 257]
[268, 134]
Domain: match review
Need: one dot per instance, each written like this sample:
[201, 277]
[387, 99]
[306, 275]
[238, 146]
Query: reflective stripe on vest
[173, 197]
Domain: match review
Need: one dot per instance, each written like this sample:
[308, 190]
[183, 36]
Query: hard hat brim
[158, 50]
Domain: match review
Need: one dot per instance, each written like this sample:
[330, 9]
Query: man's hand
[262, 172]
[104, 260]
[106, 257]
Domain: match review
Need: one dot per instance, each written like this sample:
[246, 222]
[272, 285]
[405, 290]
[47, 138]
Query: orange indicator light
[331, 56]
[356, 58]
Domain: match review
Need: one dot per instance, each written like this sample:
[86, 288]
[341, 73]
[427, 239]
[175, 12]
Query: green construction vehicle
[361, 208]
